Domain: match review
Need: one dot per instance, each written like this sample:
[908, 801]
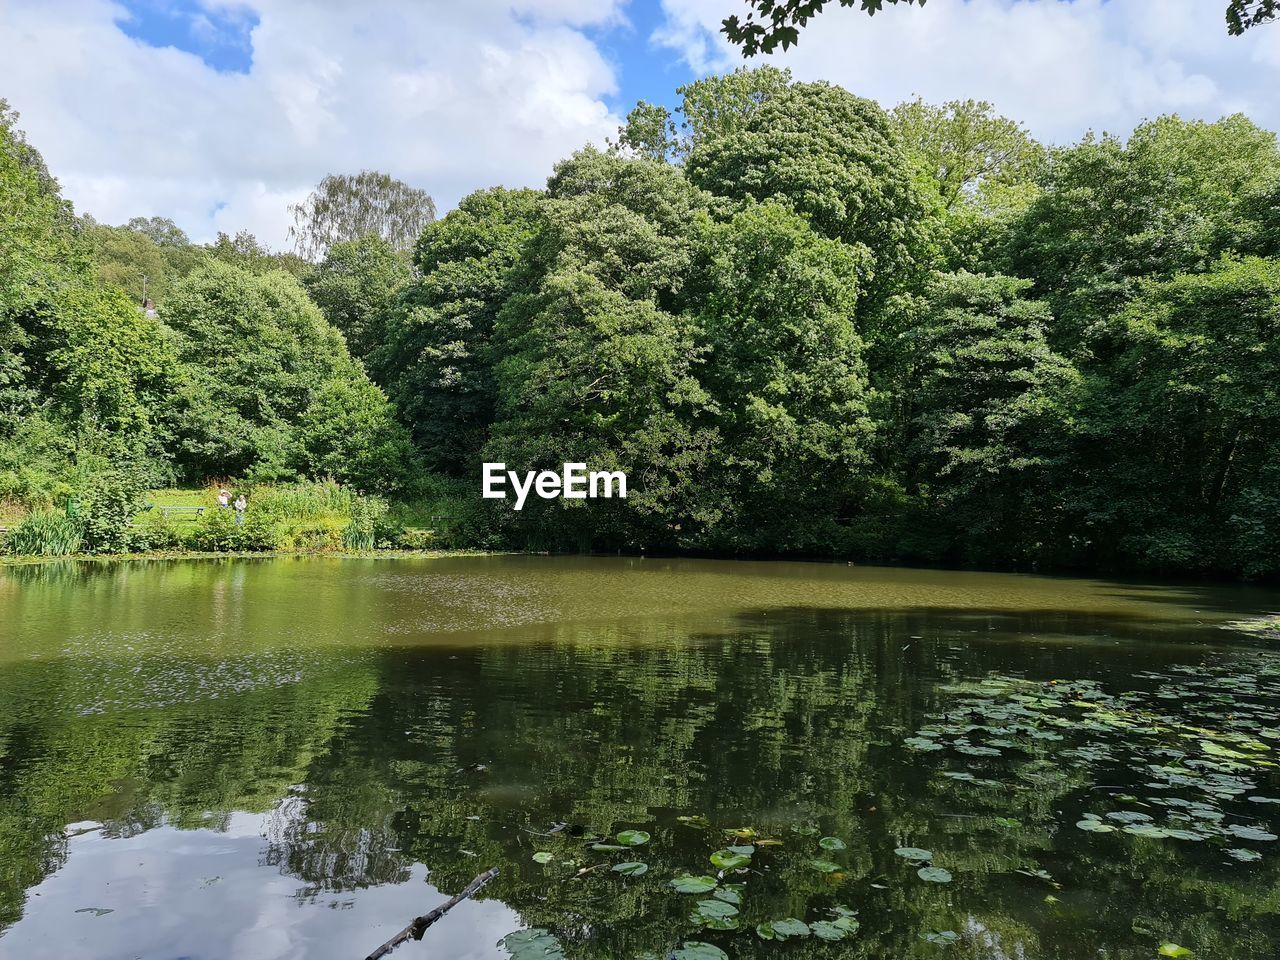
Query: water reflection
[257, 779]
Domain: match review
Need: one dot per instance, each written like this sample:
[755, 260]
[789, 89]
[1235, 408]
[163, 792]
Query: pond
[294, 757]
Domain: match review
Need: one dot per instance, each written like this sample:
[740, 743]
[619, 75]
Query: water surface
[292, 758]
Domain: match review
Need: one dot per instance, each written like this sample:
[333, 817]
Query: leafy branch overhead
[770, 24]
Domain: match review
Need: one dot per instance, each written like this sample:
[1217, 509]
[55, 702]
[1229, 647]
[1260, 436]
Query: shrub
[108, 504]
[415, 538]
[315, 535]
[47, 533]
[308, 500]
[367, 514]
[215, 531]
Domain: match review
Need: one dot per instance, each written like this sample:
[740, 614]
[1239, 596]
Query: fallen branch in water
[419, 925]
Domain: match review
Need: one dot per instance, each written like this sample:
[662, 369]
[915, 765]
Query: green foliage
[835, 159]
[45, 533]
[355, 284]
[107, 506]
[437, 361]
[366, 204]
[367, 516]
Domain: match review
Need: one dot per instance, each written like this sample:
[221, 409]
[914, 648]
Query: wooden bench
[191, 512]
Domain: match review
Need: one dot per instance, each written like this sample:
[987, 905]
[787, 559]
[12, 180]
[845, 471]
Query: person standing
[224, 498]
[241, 504]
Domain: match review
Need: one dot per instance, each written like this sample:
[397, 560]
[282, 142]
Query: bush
[308, 500]
[47, 533]
[217, 532]
[367, 515]
[315, 535]
[415, 538]
[108, 504]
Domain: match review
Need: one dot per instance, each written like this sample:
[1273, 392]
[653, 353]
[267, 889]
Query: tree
[833, 158]
[711, 107]
[1188, 403]
[355, 284]
[773, 23]
[1172, 199]
[350, 206]
[256, 355]
[775, 306]
[989, 411]
[436, 361]
[594, 363]
[161, 231]
[966, 148]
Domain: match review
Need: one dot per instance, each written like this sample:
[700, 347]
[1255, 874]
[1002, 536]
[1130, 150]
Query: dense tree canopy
[799, 323]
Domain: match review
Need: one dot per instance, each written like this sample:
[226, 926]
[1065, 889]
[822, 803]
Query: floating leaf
[831, 843]
[728, 860]
[1096, 826]
[942, 937]
[934, 874]
[824, 866]
[745, 849]
[782, 929]
[607, 847]
[697, 950]
[633, 838]
[1174, 950]
[914, 853]
[534, 944]
[729, 893]
[1245, 832]
[688, 883]
[923, 744]
[715, 908]
[829, 930]
[632, 868]
[697, 821]
[1243, 855]
[543, 857]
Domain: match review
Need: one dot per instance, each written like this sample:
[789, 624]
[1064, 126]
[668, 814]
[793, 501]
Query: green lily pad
[1245, 832]
[1175, 950]
[1243, 855]
[1095, 826]
[633, 838]
[934, 874]
[715, 908]
[914, 853]
[729, 893]
[782, 929]
[824, 866]
[830, 929]
[728, 860]
[543, 857]
[697, 950]
[607, 847]
[632, 868]
[831, 843]
[688, 883]
[534, 944]
[941, 937]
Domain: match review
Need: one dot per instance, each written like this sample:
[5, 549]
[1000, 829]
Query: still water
[293, 758]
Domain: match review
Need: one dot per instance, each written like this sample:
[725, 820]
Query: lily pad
[543, 857]
[934, 874]
[633, 838]
[728, 860]
[914, 853]
[1175, 950]
[831, 843]
[824, 866]
[1095, 826]
[688, 883]
[1243, 855]
[534, 944]
[632, 868]
[782, 929]
[697, 950]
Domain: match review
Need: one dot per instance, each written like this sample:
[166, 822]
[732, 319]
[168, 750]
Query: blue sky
[220, 113]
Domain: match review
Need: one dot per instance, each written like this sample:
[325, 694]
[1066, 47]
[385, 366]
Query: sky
[221, 113]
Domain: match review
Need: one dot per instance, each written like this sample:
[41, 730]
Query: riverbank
[30, 561]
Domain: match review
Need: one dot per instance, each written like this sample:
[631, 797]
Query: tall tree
[355, 284]
[350, 206]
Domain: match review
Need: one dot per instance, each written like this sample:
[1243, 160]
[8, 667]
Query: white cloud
[1060, 67]
[445, 95]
